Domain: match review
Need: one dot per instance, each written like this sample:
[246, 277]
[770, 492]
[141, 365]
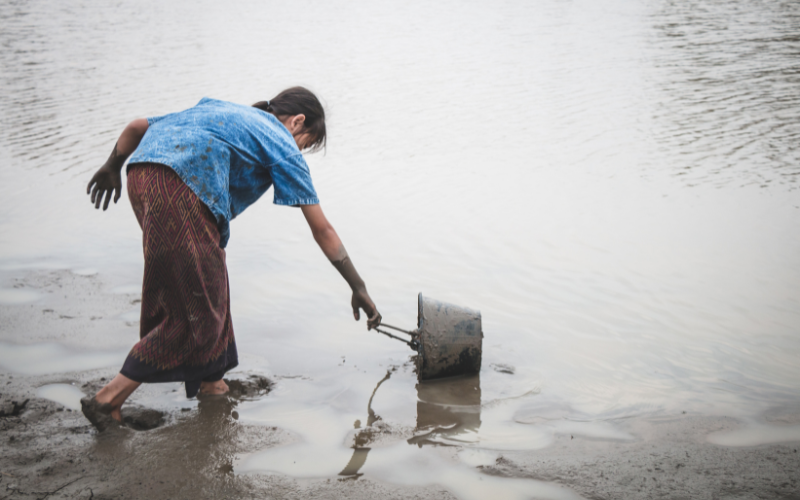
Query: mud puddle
[17, 296]
[45, 358]
[753, 433]
[65, 394]
[452, 429]
[473, 439]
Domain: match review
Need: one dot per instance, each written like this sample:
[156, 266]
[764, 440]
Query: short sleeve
[291, 179]
[152, 119]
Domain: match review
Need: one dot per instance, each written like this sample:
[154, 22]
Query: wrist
[116, 160]
[349, 273]
[359, 287]
[115, 165]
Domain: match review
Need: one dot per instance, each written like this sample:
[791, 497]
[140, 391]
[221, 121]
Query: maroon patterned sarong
[186, 332]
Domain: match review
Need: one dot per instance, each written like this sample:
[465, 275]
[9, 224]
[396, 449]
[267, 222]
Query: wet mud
[173, 448]
[674, 462]
[12, 408]
[253, 386]
[143, 419]
[50, 451]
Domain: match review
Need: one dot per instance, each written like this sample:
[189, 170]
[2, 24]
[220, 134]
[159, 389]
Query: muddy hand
[105, 183]
[361, 300]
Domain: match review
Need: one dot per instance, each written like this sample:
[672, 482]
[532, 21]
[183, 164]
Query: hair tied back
[299, 100]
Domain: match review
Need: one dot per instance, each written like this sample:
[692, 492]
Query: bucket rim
[420, 318]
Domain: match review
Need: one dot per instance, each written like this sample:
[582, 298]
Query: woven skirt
[186, 333]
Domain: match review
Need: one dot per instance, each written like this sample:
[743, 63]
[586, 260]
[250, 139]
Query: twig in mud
[48, 493]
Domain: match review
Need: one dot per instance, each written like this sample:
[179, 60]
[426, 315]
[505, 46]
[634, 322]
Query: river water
[614, 185]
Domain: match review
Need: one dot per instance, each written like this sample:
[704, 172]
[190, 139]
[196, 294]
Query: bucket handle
[413, 343]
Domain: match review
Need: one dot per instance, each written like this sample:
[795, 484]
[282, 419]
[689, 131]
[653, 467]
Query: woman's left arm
[108, 179]
[332, 247]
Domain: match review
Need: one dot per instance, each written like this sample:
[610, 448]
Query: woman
[191, 173]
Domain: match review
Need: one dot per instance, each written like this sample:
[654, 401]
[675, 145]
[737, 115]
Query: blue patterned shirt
[229, 155]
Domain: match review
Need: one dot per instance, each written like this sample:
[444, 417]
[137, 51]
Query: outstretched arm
[108, 180]
[332, 247]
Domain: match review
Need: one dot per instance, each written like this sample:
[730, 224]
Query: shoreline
[50, 450]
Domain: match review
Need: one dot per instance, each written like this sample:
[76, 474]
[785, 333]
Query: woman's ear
[297, 122]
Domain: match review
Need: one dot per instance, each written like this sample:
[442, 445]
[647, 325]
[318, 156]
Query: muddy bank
[54, 453]
[669, 459]
[178, 448]
[51, 451]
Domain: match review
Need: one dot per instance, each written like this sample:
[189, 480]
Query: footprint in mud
[10, 408]
[252, 387]
[145, 419]
[142, 419]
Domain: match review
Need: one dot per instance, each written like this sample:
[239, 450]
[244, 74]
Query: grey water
[613, 184]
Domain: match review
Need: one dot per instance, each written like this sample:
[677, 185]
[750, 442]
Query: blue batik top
[229, 155]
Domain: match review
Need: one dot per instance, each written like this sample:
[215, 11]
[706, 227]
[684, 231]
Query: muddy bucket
[448, 338]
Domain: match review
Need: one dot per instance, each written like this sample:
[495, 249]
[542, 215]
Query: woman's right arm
[332, 247]
[108, 179]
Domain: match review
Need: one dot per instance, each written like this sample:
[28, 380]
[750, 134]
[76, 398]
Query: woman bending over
[190, 173]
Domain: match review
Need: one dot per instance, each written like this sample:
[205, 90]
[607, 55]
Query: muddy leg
[115, 393]
[103, 410]
[213, 388]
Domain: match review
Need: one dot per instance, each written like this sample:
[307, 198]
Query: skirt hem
[213, 371]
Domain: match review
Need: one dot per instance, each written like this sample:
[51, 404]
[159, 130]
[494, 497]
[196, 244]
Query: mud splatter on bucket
[448, 338]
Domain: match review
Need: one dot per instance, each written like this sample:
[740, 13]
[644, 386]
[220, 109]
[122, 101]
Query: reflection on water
[363, 438]
[448, 413]
[448, 410]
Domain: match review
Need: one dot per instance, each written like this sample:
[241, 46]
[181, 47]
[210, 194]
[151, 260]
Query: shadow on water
[447, 409]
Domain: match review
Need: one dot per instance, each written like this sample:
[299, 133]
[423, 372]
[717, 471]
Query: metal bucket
[449, 339]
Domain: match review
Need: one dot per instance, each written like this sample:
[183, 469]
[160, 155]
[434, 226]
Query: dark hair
[295, 101]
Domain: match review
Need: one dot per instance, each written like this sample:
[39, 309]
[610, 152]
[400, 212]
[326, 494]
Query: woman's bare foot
[98, 414]
[114, 394]
[213, 388]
